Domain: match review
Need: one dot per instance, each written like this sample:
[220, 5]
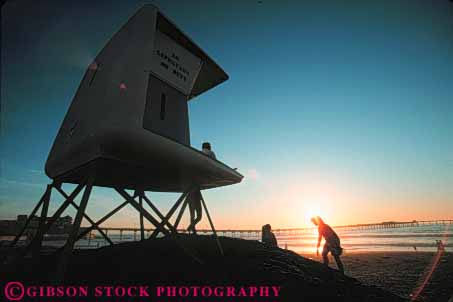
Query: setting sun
[312, 210]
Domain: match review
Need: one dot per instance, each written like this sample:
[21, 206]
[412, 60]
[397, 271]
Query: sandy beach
[402, 273]
[378, 275]
[197, 261]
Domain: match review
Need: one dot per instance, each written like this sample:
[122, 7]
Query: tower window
[163, 100]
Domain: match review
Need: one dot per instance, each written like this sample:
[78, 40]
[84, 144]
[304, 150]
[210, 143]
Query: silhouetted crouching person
[206, 149]
[267, 237]
[331, 245]
[194, 201]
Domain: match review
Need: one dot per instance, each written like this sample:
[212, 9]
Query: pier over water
[296, 231]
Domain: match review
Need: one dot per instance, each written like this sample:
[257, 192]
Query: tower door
[166, 111]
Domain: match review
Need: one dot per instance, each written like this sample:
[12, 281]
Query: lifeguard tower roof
[128, 123]
[210, 74]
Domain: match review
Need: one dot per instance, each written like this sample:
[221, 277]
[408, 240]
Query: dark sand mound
[246, 262]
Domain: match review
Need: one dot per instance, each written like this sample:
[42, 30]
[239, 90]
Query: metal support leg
[95, 226]
[67, 251]
[147, 215]
[85, 216]
[102, 220]
[29, 219]
[158, 213]
[40, 233]
[142, 229]
[61, 209]
[212, 226]
[37, 240]
[181, 213]
[160, 226]
[170, 213]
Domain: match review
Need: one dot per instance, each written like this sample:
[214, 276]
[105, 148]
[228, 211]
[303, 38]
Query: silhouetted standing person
[194, 197]
[331, 245]
[194, 201]
[440, 246]
[267, 237]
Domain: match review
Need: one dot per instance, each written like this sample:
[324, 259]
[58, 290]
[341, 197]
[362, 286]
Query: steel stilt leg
[212, 226]
[68, 248]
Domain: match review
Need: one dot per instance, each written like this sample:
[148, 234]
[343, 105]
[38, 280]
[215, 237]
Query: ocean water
[421, 238]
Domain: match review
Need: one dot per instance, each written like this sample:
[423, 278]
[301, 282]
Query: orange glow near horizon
[296, 213]
[292, 215]
[291, 204]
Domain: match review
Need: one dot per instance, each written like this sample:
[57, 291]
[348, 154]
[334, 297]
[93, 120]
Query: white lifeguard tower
[128, 128]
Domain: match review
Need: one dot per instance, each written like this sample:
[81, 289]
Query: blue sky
[339, 107]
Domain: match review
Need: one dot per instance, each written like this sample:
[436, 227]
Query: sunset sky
[337, 108]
